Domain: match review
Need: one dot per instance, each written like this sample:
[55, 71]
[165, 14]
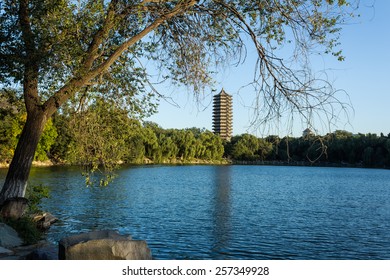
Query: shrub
[26, 228]
[35, 194]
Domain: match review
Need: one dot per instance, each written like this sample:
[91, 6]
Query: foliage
[12, 119]
[101, 135]
[25, 226]
[61, 147]
[210, 146]
[26, 229]
[100, 42]
[47, 140]
[35, 194]
[100, 132]
[249, 147]
[106, 134]
[339, 147]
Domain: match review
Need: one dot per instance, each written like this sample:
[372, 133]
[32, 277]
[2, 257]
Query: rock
[44, 253]
[44, 221]
[42, 250]
[5, 251]
[6, 254]
[14, 208]
[9, 238]
[103, 245]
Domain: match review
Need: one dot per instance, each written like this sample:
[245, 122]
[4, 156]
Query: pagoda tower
[223, 115]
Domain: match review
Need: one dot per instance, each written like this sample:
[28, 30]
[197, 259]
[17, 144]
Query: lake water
[230, 212]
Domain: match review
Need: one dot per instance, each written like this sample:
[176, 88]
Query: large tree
[61, 50]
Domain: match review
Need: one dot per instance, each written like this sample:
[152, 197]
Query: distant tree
[136, 147]
[48, 138]
[249, 147]
[169, 149]
[264, 150]
[12, 118]
[196, 131]
[186, 143]
[59, 151]
[152, 148]
[59, 50]
[11, 123]
[157, 129]
[368, 156]
[387, 145]
[210, 146]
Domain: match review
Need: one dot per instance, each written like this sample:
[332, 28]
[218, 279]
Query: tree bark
[16, 181]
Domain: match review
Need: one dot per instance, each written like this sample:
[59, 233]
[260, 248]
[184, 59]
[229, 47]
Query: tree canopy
[58, 51]
[64, 48]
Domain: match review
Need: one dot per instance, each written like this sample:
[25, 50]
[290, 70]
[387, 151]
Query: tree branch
[181, 7]
[76, 83]
[100, 35]
[31, 63]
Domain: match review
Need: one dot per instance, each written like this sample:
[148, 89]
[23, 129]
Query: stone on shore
[14, 208]
[5, 251]
[9, 238]
[47, 252]
[103, 245]
[44, 220]
[42, 250]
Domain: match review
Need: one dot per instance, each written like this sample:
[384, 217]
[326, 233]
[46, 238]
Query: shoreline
[146, 161]
[35, 164]
[308, 164]
[172, 162]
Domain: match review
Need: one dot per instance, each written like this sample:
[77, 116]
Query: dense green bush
[26, 228]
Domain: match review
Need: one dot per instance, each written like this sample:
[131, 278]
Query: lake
[230, 212]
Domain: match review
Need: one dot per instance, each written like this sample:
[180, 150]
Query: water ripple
[231, 212]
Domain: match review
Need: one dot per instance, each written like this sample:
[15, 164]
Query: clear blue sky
[364, 75]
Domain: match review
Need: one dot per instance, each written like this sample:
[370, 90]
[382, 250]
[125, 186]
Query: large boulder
[9, 238]
[103, 245]
[14, 208]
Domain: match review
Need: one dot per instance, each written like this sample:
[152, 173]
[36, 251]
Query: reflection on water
[222, 208]
[230, 212]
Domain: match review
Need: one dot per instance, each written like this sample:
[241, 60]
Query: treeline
[103, 133]
[338, 148]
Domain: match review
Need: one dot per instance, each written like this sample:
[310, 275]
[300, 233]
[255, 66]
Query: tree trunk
[16, 181]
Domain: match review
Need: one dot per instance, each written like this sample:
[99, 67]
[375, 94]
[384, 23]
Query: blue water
[231, 212]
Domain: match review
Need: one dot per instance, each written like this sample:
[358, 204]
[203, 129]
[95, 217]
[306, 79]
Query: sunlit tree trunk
[16, 181]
